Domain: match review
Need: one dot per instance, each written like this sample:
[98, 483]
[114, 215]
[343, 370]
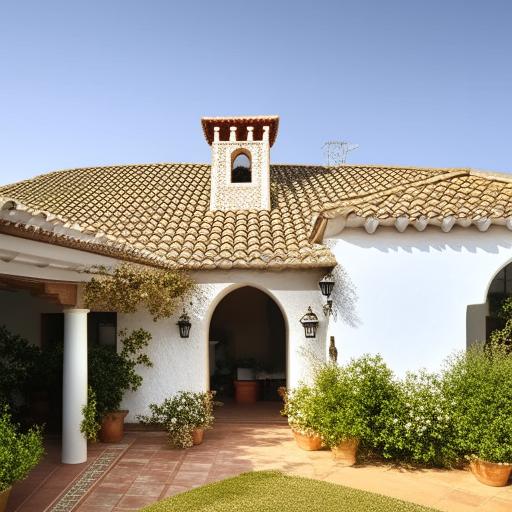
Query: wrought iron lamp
[326, 286]
[184, 324]
[310, 323]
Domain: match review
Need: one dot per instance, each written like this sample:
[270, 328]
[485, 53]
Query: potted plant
[185, 416]
[247, 387]
[416, 424]
[478, 384]
[111, 374]
[19, 453]
[301, 409]
[349, 399]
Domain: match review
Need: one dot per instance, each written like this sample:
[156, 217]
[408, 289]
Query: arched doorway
[247, 343]
[483, 319]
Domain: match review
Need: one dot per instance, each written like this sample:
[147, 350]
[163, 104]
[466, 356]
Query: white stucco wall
[405, 295]
[182, 364]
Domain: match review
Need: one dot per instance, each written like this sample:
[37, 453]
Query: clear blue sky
[99, 82]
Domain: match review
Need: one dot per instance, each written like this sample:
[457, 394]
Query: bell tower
[240, 177]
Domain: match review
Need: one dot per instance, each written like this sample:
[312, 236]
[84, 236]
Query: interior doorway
[247, 346]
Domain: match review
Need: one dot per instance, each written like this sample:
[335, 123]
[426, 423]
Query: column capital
[76, 311]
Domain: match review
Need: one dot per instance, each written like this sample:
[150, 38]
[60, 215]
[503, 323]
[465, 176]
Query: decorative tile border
[67, 501]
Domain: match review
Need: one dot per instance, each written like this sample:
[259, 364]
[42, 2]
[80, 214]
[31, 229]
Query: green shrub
[19, 452]
[416, 425]
[302, 409]
[111, 374]
[350, 398]
[90, 425]
[18, 359]
[478, 385]
[181, 414]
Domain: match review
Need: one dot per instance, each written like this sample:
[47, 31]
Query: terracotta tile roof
[463, 197]
[159, 213]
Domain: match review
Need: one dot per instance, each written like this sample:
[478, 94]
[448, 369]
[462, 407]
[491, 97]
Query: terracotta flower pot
[491, 473]
[247, 391]
[197, 436]
[4, 497]
[308, 443]
[346, 451]
[112, 427]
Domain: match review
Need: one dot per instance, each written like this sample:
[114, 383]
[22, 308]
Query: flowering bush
[350, 397]
[416, 425]
[181, 414]
[478, 384]
[301, 408]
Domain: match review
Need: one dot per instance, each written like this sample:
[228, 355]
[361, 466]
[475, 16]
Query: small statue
[333, 351]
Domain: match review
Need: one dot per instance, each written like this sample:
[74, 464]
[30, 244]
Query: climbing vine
[127, 287]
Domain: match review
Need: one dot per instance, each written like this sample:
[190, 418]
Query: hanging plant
[127, 287]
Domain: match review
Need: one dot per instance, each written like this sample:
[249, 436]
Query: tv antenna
[335, 151]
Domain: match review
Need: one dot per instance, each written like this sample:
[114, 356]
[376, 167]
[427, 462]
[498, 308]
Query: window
[241, 167]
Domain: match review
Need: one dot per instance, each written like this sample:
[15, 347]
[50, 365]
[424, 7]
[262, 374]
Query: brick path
[246, 440]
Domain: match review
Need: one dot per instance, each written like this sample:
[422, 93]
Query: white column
[74, 385]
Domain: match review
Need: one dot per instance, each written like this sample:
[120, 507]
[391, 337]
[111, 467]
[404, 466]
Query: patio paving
[244, 439]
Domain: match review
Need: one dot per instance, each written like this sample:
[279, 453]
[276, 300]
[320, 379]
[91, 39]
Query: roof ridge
[359, 198]
[346, 206]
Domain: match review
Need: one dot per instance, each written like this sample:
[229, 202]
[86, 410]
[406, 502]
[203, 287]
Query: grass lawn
[271, 491]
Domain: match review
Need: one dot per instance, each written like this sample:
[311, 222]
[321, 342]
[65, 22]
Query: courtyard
[143, 469]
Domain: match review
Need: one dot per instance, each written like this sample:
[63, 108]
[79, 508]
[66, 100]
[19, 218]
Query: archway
[247, 343]
[483, 319]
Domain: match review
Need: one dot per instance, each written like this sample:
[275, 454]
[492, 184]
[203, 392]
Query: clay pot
[4, 497]
[197, 436]
[491, 473]
[247, 391]
[308, 443]
[346, 451]
[112, 427]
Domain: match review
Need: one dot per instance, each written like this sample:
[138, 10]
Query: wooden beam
[65, 293]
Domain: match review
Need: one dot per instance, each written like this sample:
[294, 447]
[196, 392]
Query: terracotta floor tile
[135, 502]
[189, 478]
[172, 490]
[496, 505]
[102, 498]
[149, 470]
[145, 489]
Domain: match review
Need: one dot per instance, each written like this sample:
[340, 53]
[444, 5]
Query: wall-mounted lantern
[184, 325]
[326, 286]
[310, 323]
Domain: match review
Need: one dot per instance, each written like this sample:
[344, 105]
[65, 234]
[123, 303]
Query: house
[415, 255]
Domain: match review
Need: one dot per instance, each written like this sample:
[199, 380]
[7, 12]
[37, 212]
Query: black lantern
[310, 323]
[184, 325]
[326, 285]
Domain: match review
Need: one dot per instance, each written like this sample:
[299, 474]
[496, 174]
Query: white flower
[395, 420]
[408, 425]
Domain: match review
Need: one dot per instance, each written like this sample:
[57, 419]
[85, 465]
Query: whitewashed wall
[405, 295]
[182, 364]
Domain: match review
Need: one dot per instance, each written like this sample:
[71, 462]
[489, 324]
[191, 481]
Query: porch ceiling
[65, 294]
